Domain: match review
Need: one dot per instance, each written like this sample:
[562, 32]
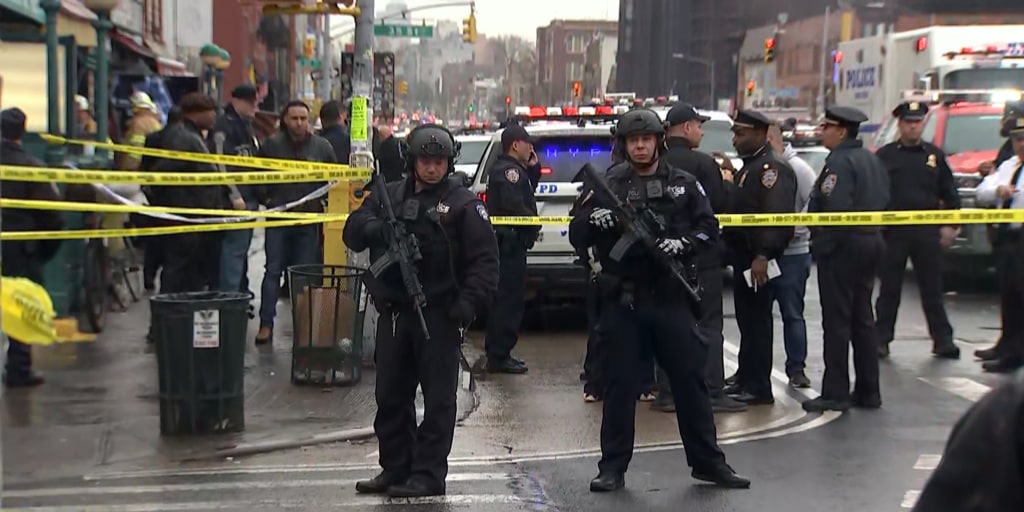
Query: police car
[472, 152]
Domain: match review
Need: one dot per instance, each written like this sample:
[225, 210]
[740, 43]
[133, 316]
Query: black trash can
[327, 323]
[200, 346]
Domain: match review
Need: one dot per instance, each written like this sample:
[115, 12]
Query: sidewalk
[99, 409]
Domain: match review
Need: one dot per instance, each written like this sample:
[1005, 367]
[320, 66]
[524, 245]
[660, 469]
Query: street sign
[417, 31]
[309, 63]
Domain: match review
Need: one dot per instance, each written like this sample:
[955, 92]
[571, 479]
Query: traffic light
[309, 46]
[469, 28]
[577, 89]
[769, 49]
[470, 108]
[750, 88]
[508, 100]
[403, 87]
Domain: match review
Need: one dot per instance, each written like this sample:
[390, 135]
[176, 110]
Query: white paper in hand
[773, 272]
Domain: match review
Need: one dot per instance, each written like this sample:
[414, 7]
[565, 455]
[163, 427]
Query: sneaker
[799, 380]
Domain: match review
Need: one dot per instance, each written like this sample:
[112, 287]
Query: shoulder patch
[829, 184]
[769, 177]
[512, 175]
[676, 190]
[482, 210]
[443, 208]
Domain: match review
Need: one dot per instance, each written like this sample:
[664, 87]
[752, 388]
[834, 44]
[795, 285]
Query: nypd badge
[932, 162]
[828, 184]
[769, 177]
[512, 175]
[483, 212]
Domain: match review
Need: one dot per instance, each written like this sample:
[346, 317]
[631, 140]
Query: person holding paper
[765, 184]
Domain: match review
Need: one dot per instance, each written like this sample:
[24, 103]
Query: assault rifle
[639, 225]
[403, 249]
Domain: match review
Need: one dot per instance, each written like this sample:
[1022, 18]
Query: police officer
[765, 184]
[1002, 189]
[24, 258]
[646, 313]
[853, 180]
[233, 134]
[684, 127]
[458, 273]
[510, 193]
[920, 179]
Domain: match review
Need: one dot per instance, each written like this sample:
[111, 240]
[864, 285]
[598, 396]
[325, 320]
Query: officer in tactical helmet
[645, 311]
[459, 275]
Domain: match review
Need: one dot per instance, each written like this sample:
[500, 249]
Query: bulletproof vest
[653, 192]
[435, 228]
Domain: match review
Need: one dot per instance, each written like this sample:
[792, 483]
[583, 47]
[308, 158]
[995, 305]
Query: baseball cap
[515, 133]
[244, 92]
[683, 112]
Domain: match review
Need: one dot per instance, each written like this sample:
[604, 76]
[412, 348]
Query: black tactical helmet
[432, 140]
[641, 121]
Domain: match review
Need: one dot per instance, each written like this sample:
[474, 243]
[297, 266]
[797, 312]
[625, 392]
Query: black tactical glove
[462, 312]
[377, 233]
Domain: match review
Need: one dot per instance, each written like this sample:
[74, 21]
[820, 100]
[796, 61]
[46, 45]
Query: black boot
[608, 482]
[946, 351]
[721, 475]
[988, 354]
[415, 487]
[378, 484]
[821, 405]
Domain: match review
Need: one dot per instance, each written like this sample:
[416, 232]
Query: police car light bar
[998, 96]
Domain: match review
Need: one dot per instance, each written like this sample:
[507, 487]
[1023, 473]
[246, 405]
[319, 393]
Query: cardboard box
[329, 305]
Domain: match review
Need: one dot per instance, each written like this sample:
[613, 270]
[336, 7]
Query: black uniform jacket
[765, 184]
[703, 167]
[853, 180]
[510, 192]
[313, 148]
[30, 254]
[186, 137]
[460, 253]
[239, 140]
[675, 196]
[982, 469]
[919, 177]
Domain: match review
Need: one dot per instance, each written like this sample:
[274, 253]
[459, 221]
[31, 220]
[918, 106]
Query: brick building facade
[561, 52]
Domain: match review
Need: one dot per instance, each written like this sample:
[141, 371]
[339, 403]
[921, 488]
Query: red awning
[171, 67]
[130, 43]
[77, 9]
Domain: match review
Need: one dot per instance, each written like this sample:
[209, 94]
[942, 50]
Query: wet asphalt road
[862, 460]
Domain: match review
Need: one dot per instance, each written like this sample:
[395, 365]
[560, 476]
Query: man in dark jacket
[154, 253]
[191, 258]
[332, 121]
[684, 135]
[24, 258]
[233, 134]
[294, 245]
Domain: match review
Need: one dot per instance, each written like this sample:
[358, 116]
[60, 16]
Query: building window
[153, 20]
[574, 71]
[576, 43]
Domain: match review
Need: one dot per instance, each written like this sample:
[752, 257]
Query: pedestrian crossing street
[306, 488]
[966, 388]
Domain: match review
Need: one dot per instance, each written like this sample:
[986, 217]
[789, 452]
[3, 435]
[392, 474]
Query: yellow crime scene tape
[79, 234]
[85, 176]
[887, 218]
[68, 206]
[275, 164]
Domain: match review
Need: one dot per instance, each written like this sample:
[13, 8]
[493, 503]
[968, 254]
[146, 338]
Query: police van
[565, 140]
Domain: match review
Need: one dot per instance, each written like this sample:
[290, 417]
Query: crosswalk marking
[960, 386]
[927, 462]
[221, 486]
[348, 503]
[910, 499]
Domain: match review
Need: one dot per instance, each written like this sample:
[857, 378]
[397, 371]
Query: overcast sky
[516, 17]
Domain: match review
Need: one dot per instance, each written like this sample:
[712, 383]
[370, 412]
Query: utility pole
[361, 121]
[326, 65]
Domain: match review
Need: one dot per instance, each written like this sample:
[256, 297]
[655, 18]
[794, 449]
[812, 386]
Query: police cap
[12, 123]
[910, 111]
[640, 121]
[514, 133]
[844, 116]
[431, 140]
[1011, 111]
[750, 119]
[1013, 127]
[682, 113]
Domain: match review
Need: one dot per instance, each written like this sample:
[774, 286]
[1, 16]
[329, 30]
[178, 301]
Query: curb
[466, 391]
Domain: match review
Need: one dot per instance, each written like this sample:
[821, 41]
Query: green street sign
[417, 31]
[309, 63]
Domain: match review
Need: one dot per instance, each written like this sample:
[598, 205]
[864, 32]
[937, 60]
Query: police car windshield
[717, 137]
[472, 152]
[971, 133]
[562, 156]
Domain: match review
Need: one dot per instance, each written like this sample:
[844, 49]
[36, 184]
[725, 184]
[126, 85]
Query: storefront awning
[171, 67]
[131, 44]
